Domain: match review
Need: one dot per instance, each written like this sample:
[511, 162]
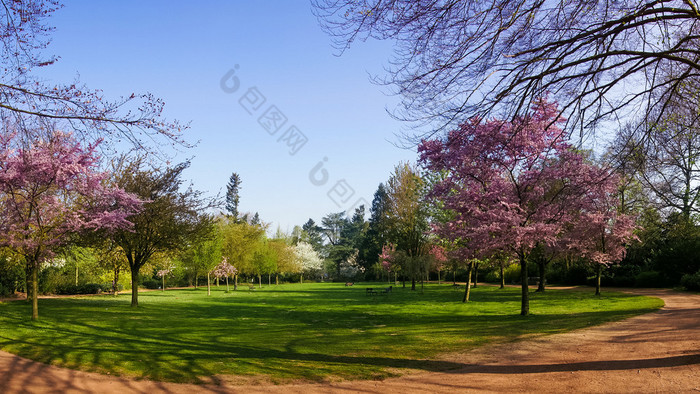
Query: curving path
[657, 352]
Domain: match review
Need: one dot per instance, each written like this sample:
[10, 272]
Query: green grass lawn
[293, 331]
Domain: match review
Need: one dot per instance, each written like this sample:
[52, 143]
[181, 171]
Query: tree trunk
[163, 283]
[28, 281]
[227, 288]
[115, 284]
[259, 281]
[35, 290]
[542, 265]
[208, 283]
[525, 298]
[599, 271]
[503, 278]
[76, 273]
[403, 277]
[217, 281]
[269, 280]
[467, 286]
[301, 278]
[439, 277]
[277, 279]
[454, 276]
[413, 283]
[196, 280]
[235, 282]
[134, 287]
[476, 273]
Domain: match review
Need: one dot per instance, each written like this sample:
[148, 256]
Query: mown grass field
[287, 332]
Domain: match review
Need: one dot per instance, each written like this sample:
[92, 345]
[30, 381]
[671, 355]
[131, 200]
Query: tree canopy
[456, 59]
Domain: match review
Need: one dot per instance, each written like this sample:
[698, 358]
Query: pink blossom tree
[599, 231]
[388, 260]
[509, 185]
[50, 190]
[225, 270]
[438, 257]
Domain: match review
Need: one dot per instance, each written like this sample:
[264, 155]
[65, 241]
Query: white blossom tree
[309, 260]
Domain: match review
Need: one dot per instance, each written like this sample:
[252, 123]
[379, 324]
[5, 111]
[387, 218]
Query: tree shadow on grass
[298, 335]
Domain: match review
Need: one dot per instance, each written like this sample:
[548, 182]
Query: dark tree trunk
[277, 279]
[134, 287]
[467, 286]
[525, 299]
[28, 281]
[115, 284]
[413, 283]
[476, 273]
[454, 276]
[542, 265]
[34, 284]
[598, 273]
[503, 278]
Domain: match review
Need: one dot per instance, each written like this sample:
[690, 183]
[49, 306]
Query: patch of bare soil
[657, 352]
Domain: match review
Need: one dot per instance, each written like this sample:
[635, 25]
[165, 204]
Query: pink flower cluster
[52, 188]
[224, 269]
[513, 184]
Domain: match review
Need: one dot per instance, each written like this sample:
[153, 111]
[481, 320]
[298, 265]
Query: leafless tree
[29, 104]
[454, 59]
[672, 170]
[663, 152]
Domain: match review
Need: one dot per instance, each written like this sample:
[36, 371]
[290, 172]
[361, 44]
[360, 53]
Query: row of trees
[249, 251]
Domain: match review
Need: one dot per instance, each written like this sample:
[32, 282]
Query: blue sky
[179, 51]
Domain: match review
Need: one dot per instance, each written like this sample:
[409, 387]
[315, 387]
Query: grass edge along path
[292, 332]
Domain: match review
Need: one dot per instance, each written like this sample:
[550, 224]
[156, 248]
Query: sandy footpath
[657, 352]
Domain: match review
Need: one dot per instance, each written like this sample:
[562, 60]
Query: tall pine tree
[232, 198]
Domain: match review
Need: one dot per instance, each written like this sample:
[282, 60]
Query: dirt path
[657, 352]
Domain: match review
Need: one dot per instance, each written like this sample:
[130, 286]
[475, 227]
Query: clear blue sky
[180, 51]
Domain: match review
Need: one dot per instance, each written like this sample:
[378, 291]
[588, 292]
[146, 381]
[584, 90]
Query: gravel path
[656, 352]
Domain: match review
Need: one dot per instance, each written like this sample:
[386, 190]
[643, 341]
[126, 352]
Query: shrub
[691, 281]
[88, 288]
[151, 283]
[493, 277]
[512, 273]
[576, 275]
[649, 279]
